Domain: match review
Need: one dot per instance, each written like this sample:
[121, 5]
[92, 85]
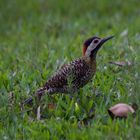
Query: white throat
[90, 49]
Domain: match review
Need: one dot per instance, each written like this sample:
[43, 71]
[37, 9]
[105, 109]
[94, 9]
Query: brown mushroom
[121, 110]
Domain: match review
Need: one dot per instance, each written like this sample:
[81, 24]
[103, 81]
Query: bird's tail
[37, 96]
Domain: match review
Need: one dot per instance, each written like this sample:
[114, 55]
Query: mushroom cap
[120, 110]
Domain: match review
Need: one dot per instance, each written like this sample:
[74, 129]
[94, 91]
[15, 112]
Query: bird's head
[92, 45]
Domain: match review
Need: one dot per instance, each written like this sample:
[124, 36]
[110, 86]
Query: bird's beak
[105, 39]
[102, 42]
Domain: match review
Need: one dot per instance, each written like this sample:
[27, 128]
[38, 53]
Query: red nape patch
[84, 49]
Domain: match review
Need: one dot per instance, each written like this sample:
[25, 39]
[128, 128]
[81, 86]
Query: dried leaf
[10, 96]
[124, 33]
[38, 113]
[51, 106]
[121, 63]
[11, 99]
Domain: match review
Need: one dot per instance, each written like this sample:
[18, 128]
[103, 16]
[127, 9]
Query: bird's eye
[95, 41]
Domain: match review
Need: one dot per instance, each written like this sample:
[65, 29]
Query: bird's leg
[37, 97]
[40, 92]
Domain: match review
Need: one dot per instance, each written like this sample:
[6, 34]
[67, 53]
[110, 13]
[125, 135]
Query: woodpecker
[75, 75]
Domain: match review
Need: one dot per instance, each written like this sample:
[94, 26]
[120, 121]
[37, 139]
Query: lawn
[37, 36]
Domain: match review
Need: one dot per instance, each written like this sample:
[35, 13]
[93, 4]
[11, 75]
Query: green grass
[38, 36]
